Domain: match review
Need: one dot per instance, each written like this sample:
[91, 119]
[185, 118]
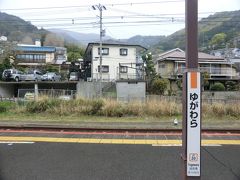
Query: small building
[119, 61]
[171, 65]
[37, 55]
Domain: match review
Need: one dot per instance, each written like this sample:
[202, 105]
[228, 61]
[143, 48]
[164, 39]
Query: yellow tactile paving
[112, 141]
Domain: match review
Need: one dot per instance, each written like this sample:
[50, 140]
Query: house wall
[49, 57]
[165, 71]
[112, 60]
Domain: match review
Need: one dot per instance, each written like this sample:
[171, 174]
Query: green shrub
[96, 106]
[232, 86]
[218, 87]
[42, 105]
[159, 86]
[6, 105]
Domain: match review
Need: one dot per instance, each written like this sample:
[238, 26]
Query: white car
[73, 76]
[51, 76]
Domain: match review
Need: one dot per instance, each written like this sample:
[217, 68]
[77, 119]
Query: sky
[121, 19]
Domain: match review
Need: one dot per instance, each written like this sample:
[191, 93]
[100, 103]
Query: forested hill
[215, 31]
[16, 29]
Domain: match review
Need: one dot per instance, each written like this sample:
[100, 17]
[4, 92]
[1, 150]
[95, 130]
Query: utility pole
[191, 122]
[100, 8]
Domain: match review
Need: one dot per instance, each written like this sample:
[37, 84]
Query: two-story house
[119, 61]
[171, 64]
[35, 55]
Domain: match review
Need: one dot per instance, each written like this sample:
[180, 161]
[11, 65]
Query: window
[123, 69]
[105, 69]
[105, 51]
[162, 65]
[123, 52]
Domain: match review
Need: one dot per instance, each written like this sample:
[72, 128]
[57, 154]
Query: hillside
[223, 22]
[146, 41]
[16, 29]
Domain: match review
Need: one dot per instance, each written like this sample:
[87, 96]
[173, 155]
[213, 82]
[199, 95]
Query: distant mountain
[146, 41]
[79, 38]
[222, 22]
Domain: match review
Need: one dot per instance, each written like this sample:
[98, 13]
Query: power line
[116, 4]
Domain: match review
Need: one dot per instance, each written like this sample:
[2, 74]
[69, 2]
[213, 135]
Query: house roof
[113, 43]
[178, 54]
[36, 48]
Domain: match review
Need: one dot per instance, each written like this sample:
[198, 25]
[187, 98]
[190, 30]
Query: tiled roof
[181, 55]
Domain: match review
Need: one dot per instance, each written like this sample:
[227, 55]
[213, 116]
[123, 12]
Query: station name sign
[193, 123]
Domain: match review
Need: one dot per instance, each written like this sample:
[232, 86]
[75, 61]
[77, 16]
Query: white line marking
[15, 142]
[166, 145]
[211, 145]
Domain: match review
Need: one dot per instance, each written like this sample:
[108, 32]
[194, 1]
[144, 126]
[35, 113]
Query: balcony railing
[213, 71]
[130, 76]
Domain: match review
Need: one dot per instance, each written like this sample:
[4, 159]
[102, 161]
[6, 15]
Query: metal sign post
[191, 131]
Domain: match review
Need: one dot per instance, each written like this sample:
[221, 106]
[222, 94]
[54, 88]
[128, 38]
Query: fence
[205, 99]
[71, 94]
[51, 93]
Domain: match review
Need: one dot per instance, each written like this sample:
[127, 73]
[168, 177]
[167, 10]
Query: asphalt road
[77, 161]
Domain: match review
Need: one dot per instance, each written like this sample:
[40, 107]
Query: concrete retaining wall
[88, 89]
[7, 90]
[131, 90]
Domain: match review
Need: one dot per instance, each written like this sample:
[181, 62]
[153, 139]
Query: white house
[119, 61]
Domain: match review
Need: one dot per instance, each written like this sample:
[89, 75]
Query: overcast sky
[121, 19]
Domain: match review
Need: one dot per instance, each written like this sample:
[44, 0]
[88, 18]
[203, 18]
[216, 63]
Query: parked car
[33, 75]
[13, 74]
[51, 76]
[73, 76]
[29, 96]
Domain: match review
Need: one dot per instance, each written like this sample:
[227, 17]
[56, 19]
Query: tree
[218, 40]
[27, 40]
[74, 52]
[149, 68]
[232, 86]
[206, 77]
[53, 40]
[159, 86]
[218, 87]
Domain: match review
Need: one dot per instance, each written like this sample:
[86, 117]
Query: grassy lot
[80, 112]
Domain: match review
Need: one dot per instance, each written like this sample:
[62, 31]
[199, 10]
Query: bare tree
[53, 40]
[27, 40]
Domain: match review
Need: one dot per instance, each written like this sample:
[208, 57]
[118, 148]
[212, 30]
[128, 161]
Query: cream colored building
[171, 65]
[119, 61]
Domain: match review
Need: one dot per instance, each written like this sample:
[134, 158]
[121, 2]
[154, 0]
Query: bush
[159, 86]
[218, 109]
[218, 87]
[96, 106]
[6, 105]
[231, 86]
[42, 105]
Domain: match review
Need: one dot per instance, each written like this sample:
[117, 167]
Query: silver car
[51, 76]
[33, 75]
[13, 74]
